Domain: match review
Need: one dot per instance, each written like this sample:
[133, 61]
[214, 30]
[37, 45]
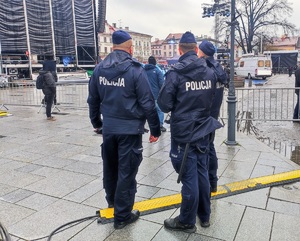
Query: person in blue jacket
[188, 93]
[156, 80]
[120, 92]
[207, 51]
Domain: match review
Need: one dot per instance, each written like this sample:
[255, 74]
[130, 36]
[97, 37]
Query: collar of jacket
[187, 54]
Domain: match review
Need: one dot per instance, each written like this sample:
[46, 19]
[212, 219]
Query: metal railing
[265, 104]
[68, 94]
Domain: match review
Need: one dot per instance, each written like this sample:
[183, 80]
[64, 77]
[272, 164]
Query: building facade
[156, 49]
[141, 42]
[284, 43]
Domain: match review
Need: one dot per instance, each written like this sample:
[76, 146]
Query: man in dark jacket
[297, 85]
[156, 80]
[207, 51]
[49, 91]
[120, 92]
[50, 65]
[188, 93]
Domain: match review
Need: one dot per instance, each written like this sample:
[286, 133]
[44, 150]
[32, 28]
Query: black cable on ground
[73, 223]
[4, 235]
[36, 239]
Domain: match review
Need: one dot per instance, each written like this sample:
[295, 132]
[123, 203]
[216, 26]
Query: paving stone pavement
[51, 174]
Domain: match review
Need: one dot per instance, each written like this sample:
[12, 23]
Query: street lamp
[210, 10]
[222, 9]
[231, 99]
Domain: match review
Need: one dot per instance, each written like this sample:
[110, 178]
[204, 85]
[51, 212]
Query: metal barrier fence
[264, 104]
[68, 94]
[271, 104]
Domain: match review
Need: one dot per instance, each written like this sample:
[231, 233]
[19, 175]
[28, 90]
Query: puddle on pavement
[289, 150]
[296, 155]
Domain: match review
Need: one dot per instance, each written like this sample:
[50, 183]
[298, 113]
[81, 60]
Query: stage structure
[31, 30]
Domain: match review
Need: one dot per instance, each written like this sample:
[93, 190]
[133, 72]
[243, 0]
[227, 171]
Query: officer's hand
[98, 131]
[153, 139]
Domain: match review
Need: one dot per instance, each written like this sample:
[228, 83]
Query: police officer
[188, 93]
[207, 51]
[120, 92]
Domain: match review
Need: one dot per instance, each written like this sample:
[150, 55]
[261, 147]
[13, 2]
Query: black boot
[135, 214]
[176, 225]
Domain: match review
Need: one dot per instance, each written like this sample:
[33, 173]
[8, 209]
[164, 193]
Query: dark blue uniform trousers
[195, 182]
[213, 159]
[213, 163]
[122, 155]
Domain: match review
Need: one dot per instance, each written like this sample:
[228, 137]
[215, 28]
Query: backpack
[40, 82]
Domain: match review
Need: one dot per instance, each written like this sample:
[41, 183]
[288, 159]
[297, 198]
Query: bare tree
[259, 19]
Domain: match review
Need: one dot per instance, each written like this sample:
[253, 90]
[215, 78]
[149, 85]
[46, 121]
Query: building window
[104, 39]
[170, 54]
[105, 50]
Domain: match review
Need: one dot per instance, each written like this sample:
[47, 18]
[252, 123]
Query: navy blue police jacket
[120, 92]
[188, 93]
[222, 80]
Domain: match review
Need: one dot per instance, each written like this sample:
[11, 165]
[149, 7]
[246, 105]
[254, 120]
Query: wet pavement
[51, 174]
[282, 136]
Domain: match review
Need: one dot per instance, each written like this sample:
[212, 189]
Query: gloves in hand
[98, 130]
[153, 139]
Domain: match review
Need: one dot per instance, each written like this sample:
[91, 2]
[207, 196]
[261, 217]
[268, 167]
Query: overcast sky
[161, 17]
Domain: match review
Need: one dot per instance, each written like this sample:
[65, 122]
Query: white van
[254, 66]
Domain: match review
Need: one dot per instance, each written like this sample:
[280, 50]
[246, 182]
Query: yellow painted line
[167, 202]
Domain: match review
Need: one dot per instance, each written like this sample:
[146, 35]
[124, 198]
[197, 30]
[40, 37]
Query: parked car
[254, 66]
